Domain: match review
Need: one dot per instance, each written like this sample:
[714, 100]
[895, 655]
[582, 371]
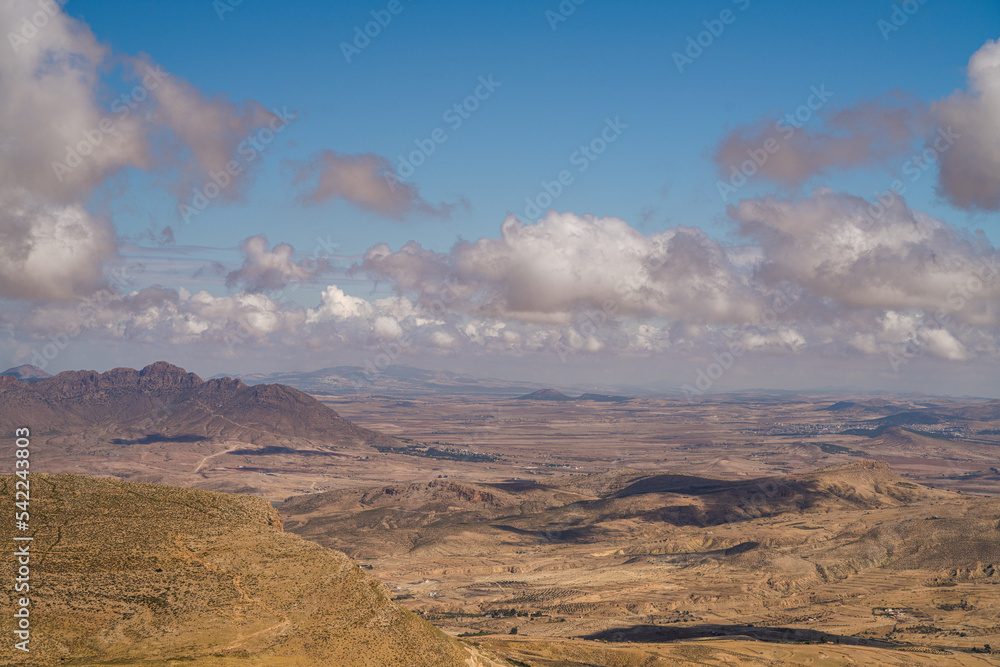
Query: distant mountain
[840, 406]
[26, 372]
[163, 402]
[985, 411]
[603, 398]
[553, 395]
[874, 406]
[545, 395]
[910, 417]
[392, 380]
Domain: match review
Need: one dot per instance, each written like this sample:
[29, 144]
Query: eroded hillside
[852, 555]
[131, 573]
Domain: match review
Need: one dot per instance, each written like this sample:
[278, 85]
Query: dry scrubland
[128, 573]
[750, 529]
[621, 569]
[849, 560]
[734, 436]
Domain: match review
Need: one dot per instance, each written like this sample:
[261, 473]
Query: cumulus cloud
[786, 151]
[817, 277]
[565, 264]
[50, 251]
[970, 170]
[904, 335]
[265, 269]
[61, 137]
[51, 246]
[49, 110]
[337, 305]
[828, 245]
[365, 180]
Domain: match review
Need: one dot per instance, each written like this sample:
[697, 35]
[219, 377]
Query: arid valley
[539, 529]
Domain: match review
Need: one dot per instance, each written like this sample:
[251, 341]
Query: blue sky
[558, 85]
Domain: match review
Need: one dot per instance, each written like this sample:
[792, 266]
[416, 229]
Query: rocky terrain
[164, 401]
[853, 556]
[768, 528]
[126, 573]
[162, 424]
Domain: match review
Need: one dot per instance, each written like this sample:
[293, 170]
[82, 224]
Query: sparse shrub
[922, 629]
[950, 606]
[513, 630]
[945, 582]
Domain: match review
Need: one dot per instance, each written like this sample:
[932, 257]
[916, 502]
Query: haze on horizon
[770, 196]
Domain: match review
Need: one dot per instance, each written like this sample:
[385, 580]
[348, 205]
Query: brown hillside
[126, 573]
[658, 558]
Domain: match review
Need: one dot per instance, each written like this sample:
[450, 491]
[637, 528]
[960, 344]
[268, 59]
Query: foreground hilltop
[131, 573]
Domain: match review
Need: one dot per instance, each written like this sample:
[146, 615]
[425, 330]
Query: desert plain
[561, 529]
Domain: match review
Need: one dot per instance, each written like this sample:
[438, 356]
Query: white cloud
[61, 137]
[565, 264]
[339, 306]
[830, 246]
[442, 339]
[50, 251]
[387, 327]
[365, 180]
[970, 169]
[266, 269]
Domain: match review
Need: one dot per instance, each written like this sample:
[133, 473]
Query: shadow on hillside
[518, 486]
[159, 437]
[556, 533]
[273, 450]
[725, 501]
[686, 557]
[668, 633]
[687, 484]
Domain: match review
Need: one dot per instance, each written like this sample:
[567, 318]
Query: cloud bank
[814, 277]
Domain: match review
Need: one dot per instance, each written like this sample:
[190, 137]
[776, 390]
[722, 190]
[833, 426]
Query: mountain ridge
[164, 399]
[26, 372]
